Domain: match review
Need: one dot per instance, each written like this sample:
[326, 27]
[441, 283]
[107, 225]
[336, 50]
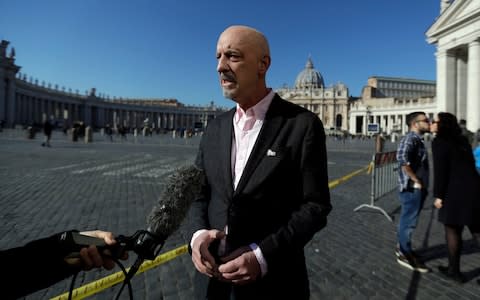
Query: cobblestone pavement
[113, 186]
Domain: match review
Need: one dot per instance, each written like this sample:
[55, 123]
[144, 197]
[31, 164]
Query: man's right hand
[438, 203]
[202, 258]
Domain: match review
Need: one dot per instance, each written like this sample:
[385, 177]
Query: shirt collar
[259, 110]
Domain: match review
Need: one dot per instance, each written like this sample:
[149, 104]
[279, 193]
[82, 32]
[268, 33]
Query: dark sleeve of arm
[32, 267]
[198, 212]
[312, 213]
[441, 168]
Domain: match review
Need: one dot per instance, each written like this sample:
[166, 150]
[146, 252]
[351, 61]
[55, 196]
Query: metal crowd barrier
[384, 169]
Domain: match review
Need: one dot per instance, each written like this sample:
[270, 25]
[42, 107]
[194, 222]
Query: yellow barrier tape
[336, 182]
[108, 281]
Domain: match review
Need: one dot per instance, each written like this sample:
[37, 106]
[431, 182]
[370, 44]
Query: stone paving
[114, 185]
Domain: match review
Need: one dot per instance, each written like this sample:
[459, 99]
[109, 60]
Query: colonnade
[34, 104]
[26, 102]
[458, 77]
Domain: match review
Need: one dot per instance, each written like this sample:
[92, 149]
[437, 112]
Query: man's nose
[222, 65]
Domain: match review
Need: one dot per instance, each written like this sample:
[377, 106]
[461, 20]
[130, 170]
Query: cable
[126, 281]
[133, 269]
[72, 284]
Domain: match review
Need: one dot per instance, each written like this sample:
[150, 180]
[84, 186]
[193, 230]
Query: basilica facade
[330, 104]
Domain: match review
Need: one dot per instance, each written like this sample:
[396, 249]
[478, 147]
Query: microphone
[182, 187]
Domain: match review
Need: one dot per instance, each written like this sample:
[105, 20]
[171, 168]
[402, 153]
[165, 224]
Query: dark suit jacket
[280, 202]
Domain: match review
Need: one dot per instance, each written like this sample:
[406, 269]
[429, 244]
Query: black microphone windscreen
[181, 189]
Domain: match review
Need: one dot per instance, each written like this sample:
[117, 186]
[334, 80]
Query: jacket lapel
[272, 124]
[225, 151]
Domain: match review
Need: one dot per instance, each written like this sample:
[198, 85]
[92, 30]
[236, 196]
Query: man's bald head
[251, 36]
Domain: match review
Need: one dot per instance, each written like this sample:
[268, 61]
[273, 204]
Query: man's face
[238, 65]
[422, 123]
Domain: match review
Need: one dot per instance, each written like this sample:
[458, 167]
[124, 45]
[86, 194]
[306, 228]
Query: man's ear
[264, 64]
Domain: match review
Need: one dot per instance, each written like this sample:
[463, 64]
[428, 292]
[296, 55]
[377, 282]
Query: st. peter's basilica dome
[309, 77]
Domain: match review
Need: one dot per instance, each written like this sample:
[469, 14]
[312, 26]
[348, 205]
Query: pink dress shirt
[246, 126]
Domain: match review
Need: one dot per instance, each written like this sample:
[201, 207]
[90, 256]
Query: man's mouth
[227, 80]
[226, 83]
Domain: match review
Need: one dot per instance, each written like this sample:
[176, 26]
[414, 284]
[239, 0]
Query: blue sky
[160, 49]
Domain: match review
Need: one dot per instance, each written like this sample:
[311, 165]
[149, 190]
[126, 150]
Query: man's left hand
[240, 267]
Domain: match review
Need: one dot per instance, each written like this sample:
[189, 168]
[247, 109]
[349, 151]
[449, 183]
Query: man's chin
[229, 94]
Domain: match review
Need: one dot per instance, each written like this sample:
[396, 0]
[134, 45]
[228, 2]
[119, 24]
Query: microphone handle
[79, 241]
[143, 242]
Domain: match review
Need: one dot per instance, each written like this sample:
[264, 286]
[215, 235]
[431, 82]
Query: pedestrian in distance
[109, 132]
[266, 192]
[47, 131]
[476, 151]
[467, 133]
[456, 189]
[413, 185]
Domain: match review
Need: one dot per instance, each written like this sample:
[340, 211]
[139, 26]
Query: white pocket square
[271, 153]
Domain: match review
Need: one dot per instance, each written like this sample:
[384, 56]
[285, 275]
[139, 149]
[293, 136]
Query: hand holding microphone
[181, 189]
[92, 249]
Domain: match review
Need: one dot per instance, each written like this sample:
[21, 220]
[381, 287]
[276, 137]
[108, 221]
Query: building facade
[24, 101]
[330, 104]
[386, 101]
[456, 34]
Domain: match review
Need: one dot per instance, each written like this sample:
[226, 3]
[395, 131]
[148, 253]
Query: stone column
[172, 121]
[403, 124]
[87, 115]
[461, 83]
[30, 106]
[11, 87]
[446, 81]
[383, 122]
[35, 109]
[473, 86]
[23, 111]
[18, 113]
[45, 108]
[3, 96]
[351, 123]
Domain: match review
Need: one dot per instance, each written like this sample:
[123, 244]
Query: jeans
[412, 202]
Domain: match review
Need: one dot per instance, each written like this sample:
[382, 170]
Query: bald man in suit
[266, 191]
